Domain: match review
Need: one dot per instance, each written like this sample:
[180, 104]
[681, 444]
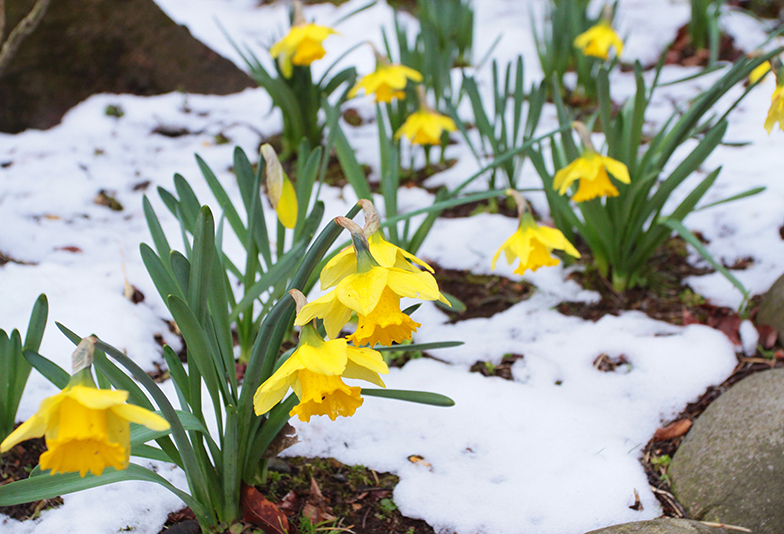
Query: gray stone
[730, 467]
[663, 525]
[771, 310]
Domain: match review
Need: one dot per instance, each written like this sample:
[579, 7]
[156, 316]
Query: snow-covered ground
[555, 451]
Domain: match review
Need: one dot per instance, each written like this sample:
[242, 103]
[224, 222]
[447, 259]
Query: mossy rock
[663, 525]
[730, 467]
[83, 47]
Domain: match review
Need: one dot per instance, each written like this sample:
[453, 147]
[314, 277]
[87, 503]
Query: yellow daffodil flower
[280, 190]
[86, 429]
[374, 294]
[598, 40]
[301, 46]
[387, 82]
[776, 111]
[385, 253]
[314, 372]
[424, 127]
[591, 169]
[759, 72]
[532, 244]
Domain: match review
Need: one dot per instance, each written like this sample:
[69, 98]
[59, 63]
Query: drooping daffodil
[86, 429]
[374, 293]
[598, 39]
[302, 45]
[532, 244]
[776, 110]
[315, 372]
[425, 126]
[387, 81]
[385, 253]
[591, 169]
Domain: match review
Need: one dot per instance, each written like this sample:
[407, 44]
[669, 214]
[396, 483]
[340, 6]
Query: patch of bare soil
[322, 494]
[767, 9]
[504, 207]
[17, 464]
[502, 370]
[682, 52]
[483, 295]
[665, 298]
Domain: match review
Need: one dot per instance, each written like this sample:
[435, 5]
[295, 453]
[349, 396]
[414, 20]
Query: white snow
[554, 451]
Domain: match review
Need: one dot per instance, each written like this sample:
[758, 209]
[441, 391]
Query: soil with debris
[17, 464]
[322, 494]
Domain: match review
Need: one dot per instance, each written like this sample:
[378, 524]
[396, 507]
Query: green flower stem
[193, 473]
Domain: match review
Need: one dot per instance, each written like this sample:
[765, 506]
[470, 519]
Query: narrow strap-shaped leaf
[223, 198]
[141, 434]
[50, 370]
[189, 205]
[178, 374]
[161, 277]
[748, 193]
[156, 230]
[279, 272]
[151, 453]
[201, 264]
[48, 486]
[231, 462]
[37, 324]
[347, 158]
[181, 267]
[420, 397]
[421, 346]
[693, 241]
[276, 420]
[198, 351]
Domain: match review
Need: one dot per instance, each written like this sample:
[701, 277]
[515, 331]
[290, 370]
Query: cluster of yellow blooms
[303, 45]
[86, 428]
[369, 279]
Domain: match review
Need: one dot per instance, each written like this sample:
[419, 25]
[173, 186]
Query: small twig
[22, 30]
[722, 525]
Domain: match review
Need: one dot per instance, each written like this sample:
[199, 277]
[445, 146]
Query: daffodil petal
[142, 416]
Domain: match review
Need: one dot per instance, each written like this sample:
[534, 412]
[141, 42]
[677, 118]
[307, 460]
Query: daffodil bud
[279, 188]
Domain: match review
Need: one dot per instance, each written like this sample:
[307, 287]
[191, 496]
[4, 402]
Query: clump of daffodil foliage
[88, 429]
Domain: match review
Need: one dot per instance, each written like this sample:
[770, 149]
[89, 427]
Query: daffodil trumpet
[425, 126]
[532, 244]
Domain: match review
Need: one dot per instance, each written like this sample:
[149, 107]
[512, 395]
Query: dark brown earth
[329, 495]
[84, 47]
[666, 298]
[17, 464]
[483, 295]
[681, 51]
